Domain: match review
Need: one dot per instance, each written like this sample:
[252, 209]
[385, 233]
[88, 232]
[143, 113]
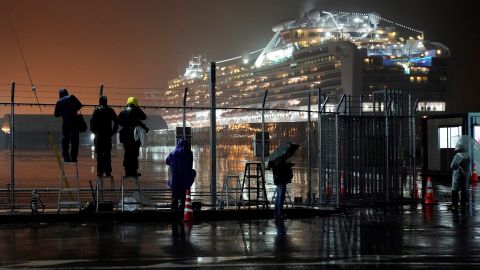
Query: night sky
[145, 43]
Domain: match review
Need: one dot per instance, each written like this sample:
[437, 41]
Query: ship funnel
[313, 15]
[374, 19]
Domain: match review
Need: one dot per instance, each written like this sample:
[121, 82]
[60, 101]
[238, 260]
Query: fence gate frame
[366, 148]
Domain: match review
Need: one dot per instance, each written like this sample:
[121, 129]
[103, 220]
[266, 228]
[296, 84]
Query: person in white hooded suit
[461, 172]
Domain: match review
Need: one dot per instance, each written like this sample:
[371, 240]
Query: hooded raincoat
[180, 161]
[461, 170]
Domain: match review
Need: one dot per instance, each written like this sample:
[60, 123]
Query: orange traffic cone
[428, 212]
[429, 194]
[328, 189]
[188, 212]
[474, 173]
[342, 185]
[187, 227]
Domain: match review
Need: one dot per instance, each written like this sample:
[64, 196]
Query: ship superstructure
[339, 52]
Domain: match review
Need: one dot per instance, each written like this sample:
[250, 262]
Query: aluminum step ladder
[254, 173]
[99, 191]
[69, 185]
[231, 184]
[139, 197]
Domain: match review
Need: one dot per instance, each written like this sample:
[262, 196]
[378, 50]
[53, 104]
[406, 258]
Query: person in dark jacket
[128, 119]
[104, 124]
[182, 175]
[67, 107]
[282, 175]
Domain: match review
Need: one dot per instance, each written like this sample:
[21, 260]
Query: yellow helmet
[132, 100]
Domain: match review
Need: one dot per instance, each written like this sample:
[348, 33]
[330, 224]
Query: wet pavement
[413, 237]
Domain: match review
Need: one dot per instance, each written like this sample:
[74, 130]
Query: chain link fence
[346, 167]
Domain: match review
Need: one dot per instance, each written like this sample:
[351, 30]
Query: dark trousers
[463, 198]
[70, 138]
[130, 157]
[279, 200]
[178, 197]
[103, 148]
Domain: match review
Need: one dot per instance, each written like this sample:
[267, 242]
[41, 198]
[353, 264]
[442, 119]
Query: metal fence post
[413, 162]
[387, 172]
[319, 148]
[12, 147]
[213, 134]
[263, 132]
[337, 150]
[184, 112]
[309, 162]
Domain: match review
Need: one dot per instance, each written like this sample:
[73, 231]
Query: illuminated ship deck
[341, 53]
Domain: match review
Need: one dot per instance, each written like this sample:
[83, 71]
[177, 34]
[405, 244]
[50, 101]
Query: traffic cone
[429, 194]
[187, 228]
[474, 173]
[188, 212]
[342, 185]
[428, 213]
[328, 189]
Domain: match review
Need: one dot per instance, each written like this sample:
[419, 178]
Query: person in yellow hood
[128, 119]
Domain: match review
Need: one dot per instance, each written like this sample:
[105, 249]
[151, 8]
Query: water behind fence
[355, 162]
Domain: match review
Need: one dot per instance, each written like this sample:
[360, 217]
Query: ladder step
[69, 189]
[69, 203]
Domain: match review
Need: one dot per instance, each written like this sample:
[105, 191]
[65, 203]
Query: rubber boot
[463, 198]
[454, 200]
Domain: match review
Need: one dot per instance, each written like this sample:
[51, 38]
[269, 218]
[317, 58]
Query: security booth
[3, 140]
[257, 144]
[439, 135]
[179, 134]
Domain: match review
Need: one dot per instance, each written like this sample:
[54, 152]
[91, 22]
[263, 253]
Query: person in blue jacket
[67, 107]
[182, 175]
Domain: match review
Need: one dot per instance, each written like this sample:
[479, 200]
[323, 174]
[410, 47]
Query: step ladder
[254, 173]
[231, 184]
[140, 198]
[69, 185]
[99, 191]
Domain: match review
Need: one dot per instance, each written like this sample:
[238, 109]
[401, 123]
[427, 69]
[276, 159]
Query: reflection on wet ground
[406, 236]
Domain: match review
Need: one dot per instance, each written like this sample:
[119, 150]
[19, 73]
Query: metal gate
[367, 146]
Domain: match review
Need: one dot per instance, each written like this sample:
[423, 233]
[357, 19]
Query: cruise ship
[338, 52]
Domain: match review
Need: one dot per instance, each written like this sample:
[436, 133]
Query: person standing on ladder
[104, 124]
[128, 119]
[67, 107]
